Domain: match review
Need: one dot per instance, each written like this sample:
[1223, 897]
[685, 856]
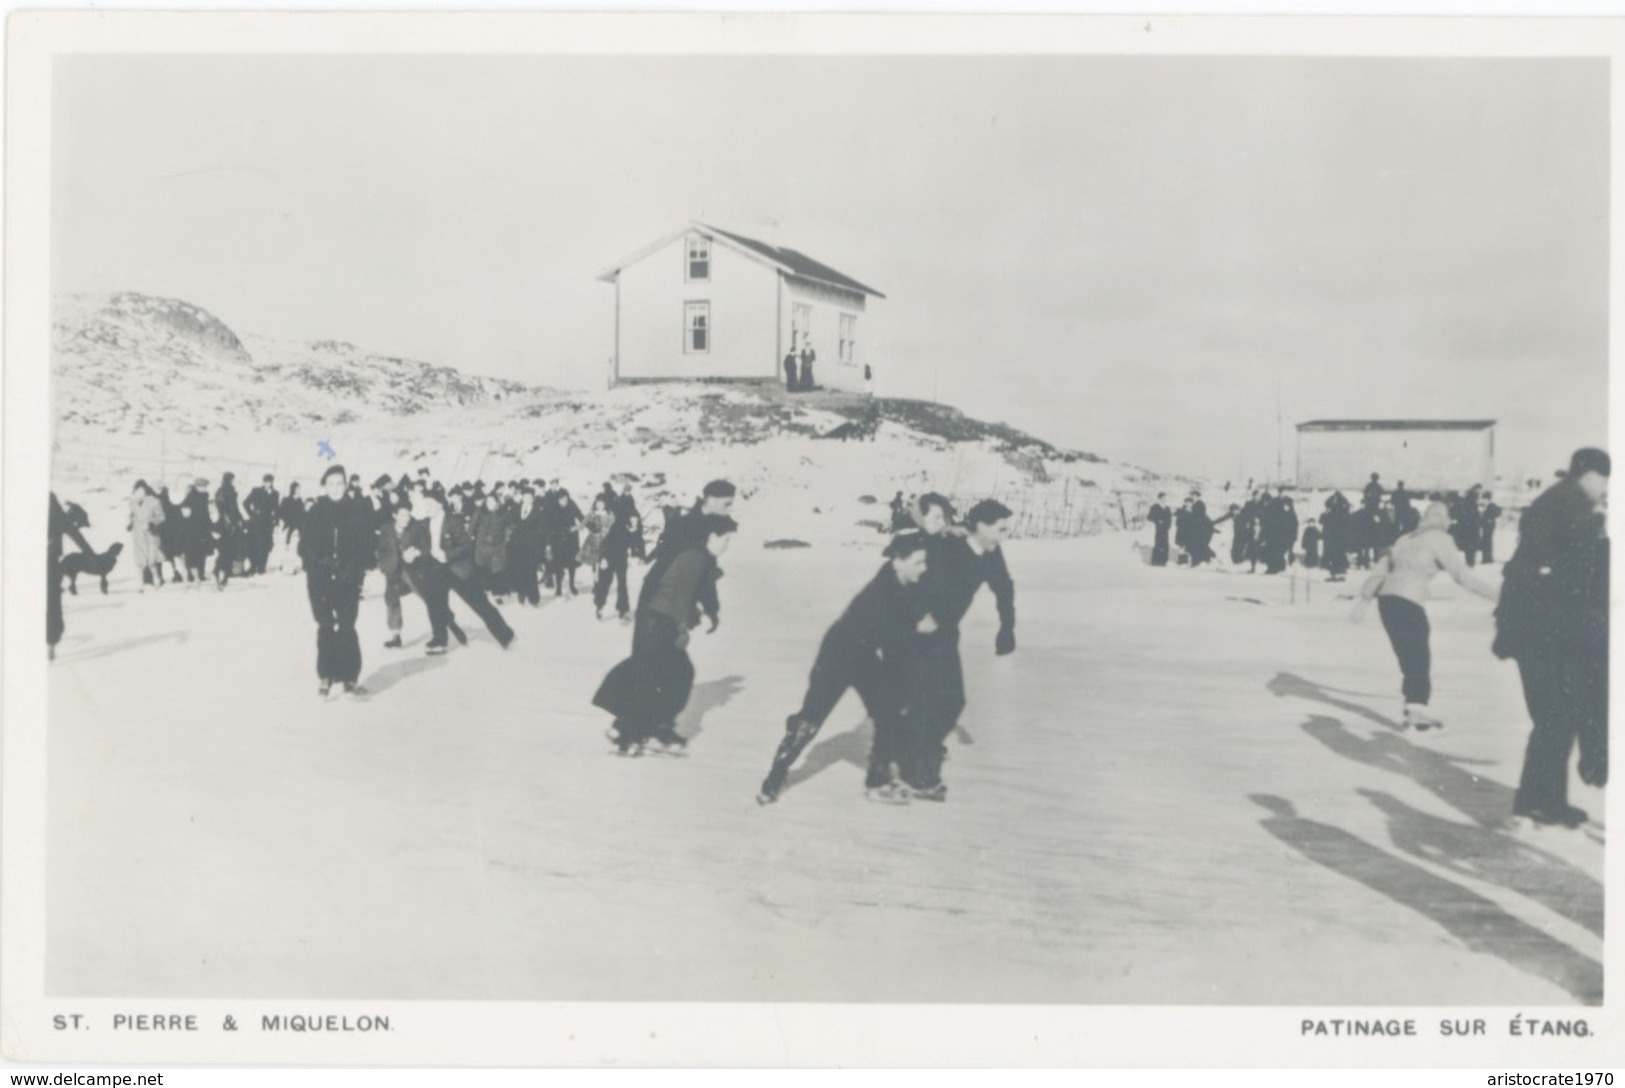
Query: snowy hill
[129, 363]
[161, 390]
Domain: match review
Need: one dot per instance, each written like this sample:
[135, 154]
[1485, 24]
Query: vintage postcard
[808, 540]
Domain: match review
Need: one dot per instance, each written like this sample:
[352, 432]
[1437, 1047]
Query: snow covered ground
[1185, 787]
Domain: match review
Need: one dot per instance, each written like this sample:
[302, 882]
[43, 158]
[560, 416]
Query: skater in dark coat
[457, 543]
[563, 542]
[683, 531]
[613, 558]
[291, 513]
[790, 382]
[1469, 531]
[225, 500]
[199, 531]
[1553, 621]
[871, 648]
[1182, 531]
[259, 510]
[957, 565]
[1199, 533]
[172, 535]
[527, 550]
[1487, 517]
[1160, 518]
[1311, 545]
[336, 547]
[493, 529]
[808, 357]
[628, 511]
[1334, 524]
[646, 692]
[58, 526]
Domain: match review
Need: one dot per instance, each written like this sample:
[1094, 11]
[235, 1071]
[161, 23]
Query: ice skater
[59, 525]
[957, 564]
[1400, 588]
[1553, 621]
[871, 649]
[336, 547]
[646, 692]
[1160, 518]
[684, 531]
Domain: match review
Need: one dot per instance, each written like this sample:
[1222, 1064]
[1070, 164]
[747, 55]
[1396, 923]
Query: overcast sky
[1125, 255]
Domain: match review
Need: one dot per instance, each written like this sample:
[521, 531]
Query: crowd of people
[1266, 529]
[897, 642]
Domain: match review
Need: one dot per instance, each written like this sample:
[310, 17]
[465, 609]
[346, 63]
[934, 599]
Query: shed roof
[1397, 425]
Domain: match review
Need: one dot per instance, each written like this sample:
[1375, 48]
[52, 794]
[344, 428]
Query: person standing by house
[1553, 621]
[808, 357]
[1160, 518]
[870, 648]
[791, 382]
[58, 526]
[336, 547]
[646, 692]
[957, 565]
[1400, 588]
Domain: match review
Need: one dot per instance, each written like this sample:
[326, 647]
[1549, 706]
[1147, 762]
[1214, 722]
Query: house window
[696, 328]
[699, 258]
[849, 334]
[800, 324]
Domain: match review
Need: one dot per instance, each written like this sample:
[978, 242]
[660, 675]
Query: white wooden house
[707, 304]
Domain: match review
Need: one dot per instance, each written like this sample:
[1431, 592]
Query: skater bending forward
[870, 648]
[1400, 586]
[648, 690]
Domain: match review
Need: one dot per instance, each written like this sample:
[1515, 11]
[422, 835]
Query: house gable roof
[789, 261]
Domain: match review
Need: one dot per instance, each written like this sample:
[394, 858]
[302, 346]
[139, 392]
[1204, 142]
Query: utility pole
[1280, 477]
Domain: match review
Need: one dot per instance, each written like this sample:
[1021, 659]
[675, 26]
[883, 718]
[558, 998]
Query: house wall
[827, 304]
[743, 294]
[1425, 460]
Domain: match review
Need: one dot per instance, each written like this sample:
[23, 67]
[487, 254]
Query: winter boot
[1418, 718]
[394, 642]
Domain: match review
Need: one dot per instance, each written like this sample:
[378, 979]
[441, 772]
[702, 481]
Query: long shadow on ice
[706, 698]
[1471, 918]
[1485, 855]
[849, 747]
[381, 680]
[1487, 803]
[1287, 685]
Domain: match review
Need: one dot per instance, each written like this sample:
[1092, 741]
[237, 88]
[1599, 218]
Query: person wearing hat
[260, 508]
[808, 357]
[199, 539]
[1553, 621]
[1400, 588]
[683, 531]
[336, 546]
[870, 648]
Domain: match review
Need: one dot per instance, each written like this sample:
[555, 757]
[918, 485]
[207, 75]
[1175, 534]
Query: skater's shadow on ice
[381, 680]
[849, 747]
[706, 698]
[1472, 919]
[111, 648]
[1484, 802]
[1486, 855]
[1286, 684]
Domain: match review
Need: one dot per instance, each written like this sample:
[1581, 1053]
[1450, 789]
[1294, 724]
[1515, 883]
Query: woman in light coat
[146, 515]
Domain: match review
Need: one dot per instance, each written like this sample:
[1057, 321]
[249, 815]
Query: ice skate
[1417, 718]
[1568, 816]
[325, 687]
[394, 643]
[668, 742]
[889, 793]
[939, 792]
[435, 648]
[354, 690]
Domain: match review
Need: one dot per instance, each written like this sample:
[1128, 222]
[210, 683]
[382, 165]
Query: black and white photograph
[996, 518]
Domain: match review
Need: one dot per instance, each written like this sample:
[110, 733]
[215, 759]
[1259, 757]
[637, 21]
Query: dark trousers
[334, 602]
[939, 699]
[522, 567]
[473, 596]
[1487, 549]
[648, 690]
[1407, 625]
[1159, 549]
[1567, 697]
[612, 572]
[432, 582]
[395, 587]
[54, 625]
